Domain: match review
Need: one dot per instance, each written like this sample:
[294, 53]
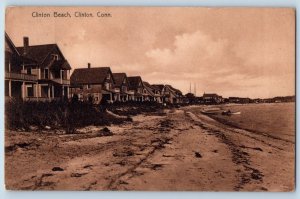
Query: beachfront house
[94, 84]
[16, 79]
[36, 72]
[172, 95]
[122, 88]
[212, 98]
[150, 92]
[136, 86]
[157, 90]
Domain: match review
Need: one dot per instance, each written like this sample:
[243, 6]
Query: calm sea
[276, 119]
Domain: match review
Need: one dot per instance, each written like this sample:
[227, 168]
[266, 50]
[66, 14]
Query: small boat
[229, 112]
[211, 110]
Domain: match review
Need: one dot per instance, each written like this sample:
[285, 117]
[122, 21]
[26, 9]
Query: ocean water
[274, 119]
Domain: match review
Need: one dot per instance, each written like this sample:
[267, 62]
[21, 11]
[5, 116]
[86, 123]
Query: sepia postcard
[150, 99]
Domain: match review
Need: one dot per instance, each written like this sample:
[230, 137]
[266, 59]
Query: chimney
[89, 65]
[26, 44]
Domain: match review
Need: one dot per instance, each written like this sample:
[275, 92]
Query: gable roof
[147, 85]
[134, 81]
[159, 87]
[11, 44]
[60, 64]
[177, 91]
[39, 53]
[149, 88]
[95, 75]
[119, 78]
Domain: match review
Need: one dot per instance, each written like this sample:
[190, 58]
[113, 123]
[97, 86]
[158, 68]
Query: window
[29, 71]
[55, 56]
[46, 73]
[108, 76]
[88, 86]
[30, 91]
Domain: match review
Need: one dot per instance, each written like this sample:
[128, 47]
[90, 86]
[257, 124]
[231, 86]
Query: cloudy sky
[233, 52]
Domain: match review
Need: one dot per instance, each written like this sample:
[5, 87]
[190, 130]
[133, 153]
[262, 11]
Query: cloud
[243, 52]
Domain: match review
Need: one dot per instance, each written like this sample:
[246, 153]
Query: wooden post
[37, 91]
[49, 92]
[23, 90]
[52, 91]
[9, 88]
[63, 91]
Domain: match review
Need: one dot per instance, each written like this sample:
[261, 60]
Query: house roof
[119, 78]
[147, 84]
[158, 86]
[11, 44]
[60, 64]
[94, 75]
[177, 91]
[149, 88]
[134, 81]
[19, 57]
[210, 95]
[37, 52]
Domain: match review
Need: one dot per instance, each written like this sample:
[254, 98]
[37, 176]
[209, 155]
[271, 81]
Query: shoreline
[230, 124]
[179, 150]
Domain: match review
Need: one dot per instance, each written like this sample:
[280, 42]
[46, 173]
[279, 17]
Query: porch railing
[20, 76]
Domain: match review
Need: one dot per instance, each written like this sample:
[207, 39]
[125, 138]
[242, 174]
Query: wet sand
[179, 151]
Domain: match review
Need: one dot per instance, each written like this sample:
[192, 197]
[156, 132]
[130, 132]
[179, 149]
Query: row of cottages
[100, 85]
[35, 72]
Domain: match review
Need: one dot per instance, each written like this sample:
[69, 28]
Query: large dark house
[35, 72]
[94, 84]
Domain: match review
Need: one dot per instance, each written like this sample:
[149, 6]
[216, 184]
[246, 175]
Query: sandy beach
[179, 150]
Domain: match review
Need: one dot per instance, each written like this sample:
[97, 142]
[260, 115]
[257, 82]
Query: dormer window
[55, 56]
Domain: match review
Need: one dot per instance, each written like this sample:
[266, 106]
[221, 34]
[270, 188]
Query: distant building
[190, 98]
[212, 98]
[239, 100]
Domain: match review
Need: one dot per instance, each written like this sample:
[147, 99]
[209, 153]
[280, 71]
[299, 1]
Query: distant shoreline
[230, 124]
